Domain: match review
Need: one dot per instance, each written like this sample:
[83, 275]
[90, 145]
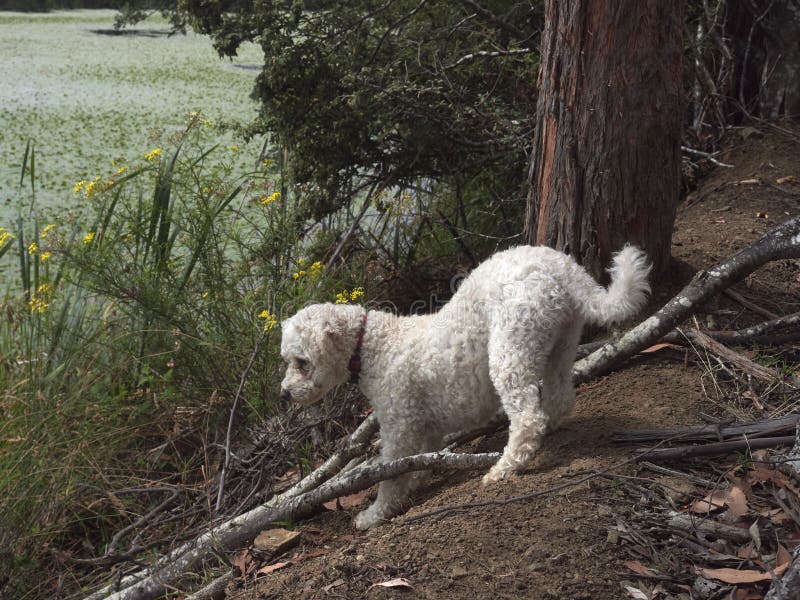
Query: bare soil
[561, 545]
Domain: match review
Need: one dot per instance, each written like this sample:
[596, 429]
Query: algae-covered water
[88, 97]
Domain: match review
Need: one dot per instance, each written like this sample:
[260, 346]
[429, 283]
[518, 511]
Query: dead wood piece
[170, 570]
[691, 523]
[742, 362]
[757, 331]
[715, 449]
[787, 587]
[214, 590]
[734, 295]
[779, 243]
[716, 431]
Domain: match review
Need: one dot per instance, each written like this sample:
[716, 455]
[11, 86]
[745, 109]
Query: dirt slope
[558, 545]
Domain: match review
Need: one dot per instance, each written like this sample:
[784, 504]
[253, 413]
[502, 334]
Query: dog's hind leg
[558, 391]
[517, 359]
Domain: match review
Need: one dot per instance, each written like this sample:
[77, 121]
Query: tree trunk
[605, 167]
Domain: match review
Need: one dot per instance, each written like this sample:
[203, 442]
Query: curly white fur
[506, 339]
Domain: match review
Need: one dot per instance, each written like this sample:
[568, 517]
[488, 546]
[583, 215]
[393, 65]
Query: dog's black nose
[286, 395]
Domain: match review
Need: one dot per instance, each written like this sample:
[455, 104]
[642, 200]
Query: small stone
[536, 566]
[458, 572]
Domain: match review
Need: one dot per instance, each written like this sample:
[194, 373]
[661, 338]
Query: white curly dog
[506, 339]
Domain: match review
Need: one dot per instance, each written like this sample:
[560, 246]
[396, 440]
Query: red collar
[355, 360]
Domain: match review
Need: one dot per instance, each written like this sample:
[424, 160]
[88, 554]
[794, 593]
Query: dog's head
[316, 345]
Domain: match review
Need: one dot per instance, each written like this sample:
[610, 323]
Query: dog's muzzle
[286, 395]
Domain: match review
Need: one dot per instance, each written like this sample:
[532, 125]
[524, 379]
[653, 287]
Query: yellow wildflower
[5, 237]
[33, 248]
[153, 154]
[270, 321]
[205, 294]
[47, 230]
[316, 269]
[299, 274]
[266, 163]
[271, 198]
[40, 299]
[87, 239]
[79, 186]
[120, 171]
[345, 296]
[234, 148]
[92, 187]
[46, 255]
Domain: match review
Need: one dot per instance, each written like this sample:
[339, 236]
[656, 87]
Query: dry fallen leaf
[636, 593]
[347, 501]
[400, 582]
[736, 501]
[745, 575]
[733, 576]
[755, 534]
[787, 179]
[244, 562]
[274, 567]
[657, 347]
[713, 501]
[295, 560]
[638, 567]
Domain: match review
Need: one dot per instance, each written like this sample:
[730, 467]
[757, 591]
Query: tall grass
[124, 334]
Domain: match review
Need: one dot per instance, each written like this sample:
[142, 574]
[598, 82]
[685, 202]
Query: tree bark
[605, 166]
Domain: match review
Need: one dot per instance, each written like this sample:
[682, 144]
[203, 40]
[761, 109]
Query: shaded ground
[561, 545]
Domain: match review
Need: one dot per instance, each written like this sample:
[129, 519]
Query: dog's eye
[301, 363]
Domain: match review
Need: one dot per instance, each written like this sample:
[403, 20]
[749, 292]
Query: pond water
[88, 97]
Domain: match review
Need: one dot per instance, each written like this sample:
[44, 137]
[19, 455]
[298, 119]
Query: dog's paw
[494, 475]
[367, 518]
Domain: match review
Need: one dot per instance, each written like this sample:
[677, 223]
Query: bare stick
[715, 448]
[214, 590]
[779, 243]
[718, 431]
[734, 295]
[168, 571]
[689, 523]
[742, 362]
[242, 381]
[707, 155]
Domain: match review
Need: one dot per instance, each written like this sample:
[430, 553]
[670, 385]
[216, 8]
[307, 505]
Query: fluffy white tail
[625, 296]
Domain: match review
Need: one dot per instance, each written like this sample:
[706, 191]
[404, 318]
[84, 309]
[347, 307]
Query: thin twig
[242, 381]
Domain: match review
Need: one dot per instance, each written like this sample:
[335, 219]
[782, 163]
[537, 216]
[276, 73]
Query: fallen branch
[690, 523]
[716, 431]
[742, 362]
[734, 295]
[170, 570]
[715, 448]
[782, 242]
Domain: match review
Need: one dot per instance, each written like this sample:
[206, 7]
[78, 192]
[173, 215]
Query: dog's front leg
[393, 494]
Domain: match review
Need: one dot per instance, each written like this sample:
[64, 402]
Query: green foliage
[370, 91]
[131, 12]
[127, 329]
